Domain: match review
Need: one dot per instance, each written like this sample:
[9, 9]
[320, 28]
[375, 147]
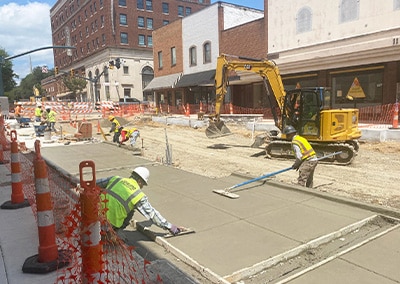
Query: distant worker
[18, 110]
[130, 134]
[115, 128]
[123, 195]
[306, 158]
[51, 119]
[38, 112]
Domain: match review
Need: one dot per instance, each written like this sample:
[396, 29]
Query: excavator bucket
[217, 129]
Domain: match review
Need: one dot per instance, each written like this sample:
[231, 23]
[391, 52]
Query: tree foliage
[74, 84]
[7, 72]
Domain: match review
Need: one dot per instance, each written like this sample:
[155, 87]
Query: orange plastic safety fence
[121, 263]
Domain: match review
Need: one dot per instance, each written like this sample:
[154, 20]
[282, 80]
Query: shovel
[227, 191]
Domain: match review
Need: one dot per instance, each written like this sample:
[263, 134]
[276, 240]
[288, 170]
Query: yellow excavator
[308, 110]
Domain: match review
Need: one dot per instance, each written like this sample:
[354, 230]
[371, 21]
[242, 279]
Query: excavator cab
[302, 111]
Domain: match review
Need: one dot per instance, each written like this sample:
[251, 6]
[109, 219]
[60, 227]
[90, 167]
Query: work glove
[297, 164]
[174, 230]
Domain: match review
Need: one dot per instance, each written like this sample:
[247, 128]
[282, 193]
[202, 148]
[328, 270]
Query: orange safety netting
[119, 262]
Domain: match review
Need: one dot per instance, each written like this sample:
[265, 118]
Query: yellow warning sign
[356, 91]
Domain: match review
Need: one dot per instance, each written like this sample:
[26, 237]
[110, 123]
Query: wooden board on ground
[226, 193]
[183, 232]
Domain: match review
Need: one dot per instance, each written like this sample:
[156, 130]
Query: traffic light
[72, 72]
[111, 62]
[56, 70]
[118, 63]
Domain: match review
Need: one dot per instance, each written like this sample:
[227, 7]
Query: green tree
[74, 84]
[7, 72]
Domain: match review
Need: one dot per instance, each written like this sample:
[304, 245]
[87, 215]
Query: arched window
[147, 76]
[349, 10]
[304, 20]
[192, 56]
[207, 52]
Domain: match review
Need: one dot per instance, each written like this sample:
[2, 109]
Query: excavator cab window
[302, 111]
[310, 114]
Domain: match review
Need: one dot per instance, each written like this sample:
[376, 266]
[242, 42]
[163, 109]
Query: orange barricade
[2, 161]
[17, 196]
[230, 108]
[92, 249]
[3, 139]
[49, 258]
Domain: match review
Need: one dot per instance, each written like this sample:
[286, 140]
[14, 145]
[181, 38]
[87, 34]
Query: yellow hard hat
[111, 117]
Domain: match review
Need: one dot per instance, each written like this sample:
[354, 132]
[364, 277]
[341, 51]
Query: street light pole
[2, 60]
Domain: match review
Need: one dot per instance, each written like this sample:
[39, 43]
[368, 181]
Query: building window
[147, 76]
[122, 3]
[165, 22]
[103, 39]
[140, 4]
[140, 22]
[371, 82]
[193, 56]
[349, 10]
[126, 70]
[149, 23]
[127, 92]
[149, 41]
[160, 60]
[149, 5]
[303, 20]
[124, 38]
[165, 8]
[396, 4]
[102, 20]
[188, 11]
[207, 52]
[141, 40]
[173, 56]
[123, 20]
[180, 11]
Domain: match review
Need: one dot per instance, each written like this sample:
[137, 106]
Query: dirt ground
[373, 177]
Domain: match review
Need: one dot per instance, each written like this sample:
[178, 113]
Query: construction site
[343, 230]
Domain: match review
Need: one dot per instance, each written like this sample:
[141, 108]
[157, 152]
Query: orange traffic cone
[395, 123]
[49, 258]
[98, 127]
[17, 195]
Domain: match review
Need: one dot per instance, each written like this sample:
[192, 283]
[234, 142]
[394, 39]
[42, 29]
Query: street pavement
[236, 240]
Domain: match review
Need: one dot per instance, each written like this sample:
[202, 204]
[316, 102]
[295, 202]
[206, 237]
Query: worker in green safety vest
[123, 195]
[51, 119]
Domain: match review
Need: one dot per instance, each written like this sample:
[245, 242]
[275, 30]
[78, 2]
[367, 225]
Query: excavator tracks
[283, 149]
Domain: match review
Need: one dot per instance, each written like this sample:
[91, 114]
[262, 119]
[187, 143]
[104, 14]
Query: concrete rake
[227, 191]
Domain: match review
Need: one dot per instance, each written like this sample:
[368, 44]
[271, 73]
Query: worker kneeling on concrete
[123, 195]
[130, 134]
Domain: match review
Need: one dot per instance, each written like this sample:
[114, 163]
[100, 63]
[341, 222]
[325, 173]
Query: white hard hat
[48, 107]
[39, 104]
[143, 173]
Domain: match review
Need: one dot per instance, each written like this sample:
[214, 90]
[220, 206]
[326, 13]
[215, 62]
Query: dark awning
[163, 82]
[205, 78]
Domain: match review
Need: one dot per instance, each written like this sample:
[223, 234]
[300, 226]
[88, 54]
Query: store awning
[163, 82]
[205, 78]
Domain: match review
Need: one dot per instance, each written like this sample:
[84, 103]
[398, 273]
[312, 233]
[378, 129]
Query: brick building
[313, 45]
[185, 51]
[105, 31]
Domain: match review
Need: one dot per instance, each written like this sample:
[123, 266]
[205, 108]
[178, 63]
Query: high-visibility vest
[305, 148]
[51, 116]
[130, 131]
[38, 112]
[121, 196]
[117, 125]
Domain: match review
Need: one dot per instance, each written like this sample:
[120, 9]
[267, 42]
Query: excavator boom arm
[266, 69]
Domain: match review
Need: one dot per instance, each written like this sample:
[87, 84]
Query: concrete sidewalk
[237, 238]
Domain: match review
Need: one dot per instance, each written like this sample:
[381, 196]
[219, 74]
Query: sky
[25, 26]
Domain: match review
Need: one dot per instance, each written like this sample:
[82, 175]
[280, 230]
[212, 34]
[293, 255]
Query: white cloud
[24, 28]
